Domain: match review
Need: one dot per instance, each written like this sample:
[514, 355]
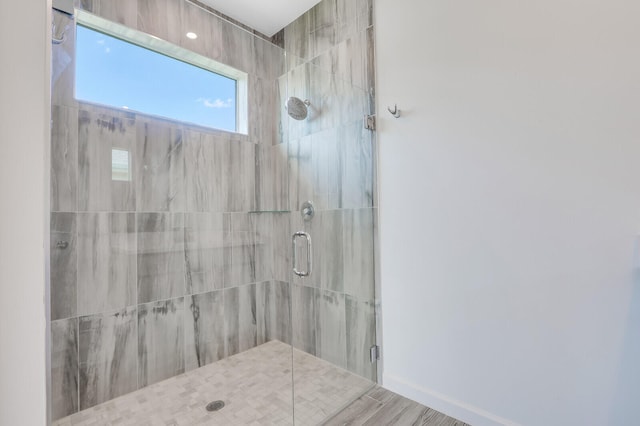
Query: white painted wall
[24, 188]
[510, 208]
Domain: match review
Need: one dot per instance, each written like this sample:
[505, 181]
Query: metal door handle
[294, 238]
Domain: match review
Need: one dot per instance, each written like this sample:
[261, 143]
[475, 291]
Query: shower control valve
[307, 210]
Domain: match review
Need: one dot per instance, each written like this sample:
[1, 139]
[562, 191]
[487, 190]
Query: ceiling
[266, 16]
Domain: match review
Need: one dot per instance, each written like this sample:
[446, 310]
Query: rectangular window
[124, 68]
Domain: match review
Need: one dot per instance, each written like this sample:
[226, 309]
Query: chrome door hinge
[374, 353]
[370, 122]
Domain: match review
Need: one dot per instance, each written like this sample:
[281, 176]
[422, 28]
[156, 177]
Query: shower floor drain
[215, 406]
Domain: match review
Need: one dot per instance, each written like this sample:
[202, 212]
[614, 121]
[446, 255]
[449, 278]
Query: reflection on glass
[120, 166]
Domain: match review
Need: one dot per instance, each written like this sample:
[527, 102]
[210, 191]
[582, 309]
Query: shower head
[297, 108]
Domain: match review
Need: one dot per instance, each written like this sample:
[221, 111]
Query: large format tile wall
[331, 162]
[186, 260]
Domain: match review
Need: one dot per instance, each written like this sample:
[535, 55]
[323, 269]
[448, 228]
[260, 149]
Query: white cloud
[218, 103]
[103, 43]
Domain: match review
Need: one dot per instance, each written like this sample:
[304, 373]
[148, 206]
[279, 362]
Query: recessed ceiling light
[192, 36]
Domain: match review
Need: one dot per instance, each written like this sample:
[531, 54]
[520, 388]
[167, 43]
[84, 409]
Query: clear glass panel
[331, 164]
[170, 242]
[171, 245]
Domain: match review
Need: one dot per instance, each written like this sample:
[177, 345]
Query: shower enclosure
[172, 272]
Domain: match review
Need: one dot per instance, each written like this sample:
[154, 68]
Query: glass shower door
[331, 193]
[169, 256]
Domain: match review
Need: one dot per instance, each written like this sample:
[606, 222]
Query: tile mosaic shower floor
[255, 386]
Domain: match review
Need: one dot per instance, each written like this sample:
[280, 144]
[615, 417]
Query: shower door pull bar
[307, 237]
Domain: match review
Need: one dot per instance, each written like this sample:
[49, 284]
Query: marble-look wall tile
[161, 18]
[365, 13]
[303, 318]
[322, 27]
[281, 127]
[322, 15]
[269, 60]
[347, 60]
[210, 30]
[64, 265]
[317, 164]
[204, 329]
[240, 318]
[161, 269]
[239, 250]
[272, 178]
[322, 39]
[326, 230]
[296, 37]
[331, 340]
[160, 341]
[160, 181]
[282, 254]
[278, 38]
[106, 160]
[106, 261]
[261, 110]
[370, 71]
[315, 170]
[241, 43]
[357, 154]
[262, 224]
[263, 309]
[217, 38]
[204, 252]
[328, 23]
[121, 11]
[358, 252]
[273, 310]
[64, 367]
[64, 158]
[327, 168]
[301, 186]
[334, 168]
[241, 168]
[107, 356]
[272, 246]
[361, 335]
[63, 63]
[337, 100]
[353, 18]
[206, 178]
[347, 10]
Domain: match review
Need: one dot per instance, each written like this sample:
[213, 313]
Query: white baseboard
[467, 413]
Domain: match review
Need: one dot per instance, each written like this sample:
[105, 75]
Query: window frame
[166, 48]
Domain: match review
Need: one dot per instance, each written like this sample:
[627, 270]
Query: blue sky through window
[114, 72]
